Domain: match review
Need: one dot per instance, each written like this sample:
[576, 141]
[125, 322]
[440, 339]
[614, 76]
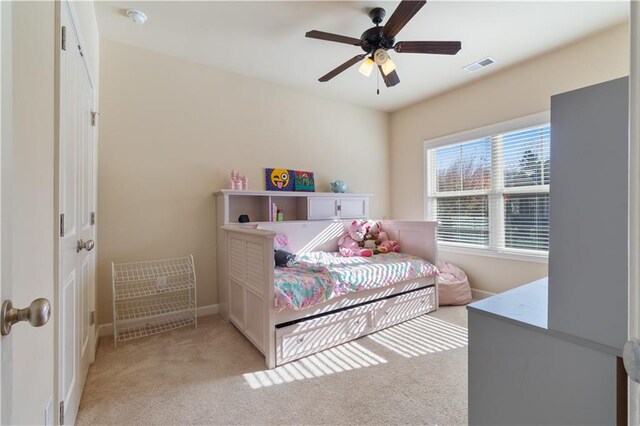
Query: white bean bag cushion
[453, 285]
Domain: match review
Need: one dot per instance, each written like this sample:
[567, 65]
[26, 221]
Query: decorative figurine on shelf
[338, 186]
[350, 244]
[238, 182]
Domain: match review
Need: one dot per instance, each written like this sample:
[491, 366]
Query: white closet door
[77, 201]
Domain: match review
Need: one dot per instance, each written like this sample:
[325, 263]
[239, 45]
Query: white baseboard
[105, 330]
[202, 311]
[481, 294]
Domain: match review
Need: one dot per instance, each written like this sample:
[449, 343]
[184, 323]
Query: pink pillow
[281, 242]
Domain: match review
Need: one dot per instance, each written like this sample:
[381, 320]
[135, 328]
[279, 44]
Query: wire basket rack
[153, 296]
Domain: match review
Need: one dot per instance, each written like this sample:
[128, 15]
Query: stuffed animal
[349, 244]
[378, 240]
[384, 243]
[284, 258]
[371, 237]
[282, 252]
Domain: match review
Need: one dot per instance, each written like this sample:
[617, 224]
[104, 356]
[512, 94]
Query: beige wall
[171, 131]
[515, 92]
[86, 15]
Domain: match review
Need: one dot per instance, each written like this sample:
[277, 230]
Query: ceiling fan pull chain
[377, 83]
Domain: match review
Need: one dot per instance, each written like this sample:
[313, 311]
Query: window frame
[494, 195]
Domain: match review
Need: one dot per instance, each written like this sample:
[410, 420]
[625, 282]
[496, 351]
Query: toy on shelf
[238, 182]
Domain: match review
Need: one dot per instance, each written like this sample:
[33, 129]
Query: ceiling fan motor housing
[373, 39]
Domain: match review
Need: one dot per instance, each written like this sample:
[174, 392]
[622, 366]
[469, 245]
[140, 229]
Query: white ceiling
[265, 39]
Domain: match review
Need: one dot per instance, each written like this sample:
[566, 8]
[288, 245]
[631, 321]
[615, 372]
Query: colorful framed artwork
[304, 181]
[279, 180]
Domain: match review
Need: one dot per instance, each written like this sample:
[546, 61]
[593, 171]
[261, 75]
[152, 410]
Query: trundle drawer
[404, 307]
[299, 340]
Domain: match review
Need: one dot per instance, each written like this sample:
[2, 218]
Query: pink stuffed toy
[386, 244]
[349, 244]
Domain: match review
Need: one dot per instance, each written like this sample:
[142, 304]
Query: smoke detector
[137, 16]
[478, 65]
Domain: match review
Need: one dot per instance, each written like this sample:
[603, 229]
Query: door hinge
[94, 117]
[92, 318]
[61, 412]
[64, 38]
[62, 225]
[93, 218]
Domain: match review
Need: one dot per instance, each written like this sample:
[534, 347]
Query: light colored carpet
[413, 373]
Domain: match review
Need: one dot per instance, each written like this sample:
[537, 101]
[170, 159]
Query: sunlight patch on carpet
[421, 336]
[348, 356]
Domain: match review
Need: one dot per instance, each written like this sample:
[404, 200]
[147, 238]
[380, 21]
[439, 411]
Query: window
[492, 192]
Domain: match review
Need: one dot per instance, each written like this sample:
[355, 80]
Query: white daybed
[284, 335]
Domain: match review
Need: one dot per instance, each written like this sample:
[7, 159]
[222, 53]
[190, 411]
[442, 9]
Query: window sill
[477, 251]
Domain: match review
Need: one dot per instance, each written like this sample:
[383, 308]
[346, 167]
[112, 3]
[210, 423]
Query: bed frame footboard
[250, 286]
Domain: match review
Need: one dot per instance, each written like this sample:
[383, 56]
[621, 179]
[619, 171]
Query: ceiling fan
[376, 41]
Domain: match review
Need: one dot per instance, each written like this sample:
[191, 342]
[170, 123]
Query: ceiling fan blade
[321, 35]
[390, 79]
[403, 14]
[328, 76]
[434, 47]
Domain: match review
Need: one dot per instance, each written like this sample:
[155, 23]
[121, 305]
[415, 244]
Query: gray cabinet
[521, 374]
[588, 213]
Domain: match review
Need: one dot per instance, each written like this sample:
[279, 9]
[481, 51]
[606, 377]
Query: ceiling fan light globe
[380, 56]
[388, 67]
[366, 67]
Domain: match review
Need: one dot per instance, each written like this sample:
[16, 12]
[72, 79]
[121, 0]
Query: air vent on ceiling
[482, 63]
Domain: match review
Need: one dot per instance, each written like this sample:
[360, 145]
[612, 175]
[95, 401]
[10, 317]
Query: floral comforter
[320, 276]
